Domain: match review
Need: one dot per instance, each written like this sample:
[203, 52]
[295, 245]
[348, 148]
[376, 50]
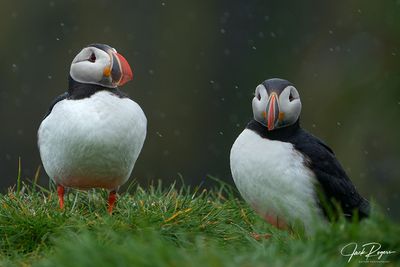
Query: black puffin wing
[55, 101]
[330, 174]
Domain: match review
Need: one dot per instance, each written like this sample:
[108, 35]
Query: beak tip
[126, 77]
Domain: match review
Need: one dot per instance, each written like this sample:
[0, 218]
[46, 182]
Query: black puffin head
[100, 64]
[276, 104]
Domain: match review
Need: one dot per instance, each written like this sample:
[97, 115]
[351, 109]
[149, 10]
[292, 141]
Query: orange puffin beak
[126, 70]
[272, 111]
[120, 71]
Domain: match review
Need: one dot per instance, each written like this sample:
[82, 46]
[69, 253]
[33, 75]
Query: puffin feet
[272, 219]
[112, 198]
[259, 237]
[276, 221]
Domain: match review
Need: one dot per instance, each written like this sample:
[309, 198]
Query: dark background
[196, 65]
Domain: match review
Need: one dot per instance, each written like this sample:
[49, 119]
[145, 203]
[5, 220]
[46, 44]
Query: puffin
[286, 174]
[92, 134]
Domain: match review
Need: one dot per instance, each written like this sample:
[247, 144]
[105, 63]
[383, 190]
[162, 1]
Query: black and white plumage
[92, 135]
[279, 168]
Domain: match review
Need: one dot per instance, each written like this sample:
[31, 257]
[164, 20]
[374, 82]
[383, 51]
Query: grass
[173, 226]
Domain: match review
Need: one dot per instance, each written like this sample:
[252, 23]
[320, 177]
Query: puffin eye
[291, 98]
[258, 96]
[92, 57]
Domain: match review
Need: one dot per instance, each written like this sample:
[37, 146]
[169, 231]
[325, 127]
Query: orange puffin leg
[272, 219]
[112, 198]
[60, 192]
[276, 221]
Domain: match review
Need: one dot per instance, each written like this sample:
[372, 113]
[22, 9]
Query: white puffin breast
[92, 142]
[272, 178]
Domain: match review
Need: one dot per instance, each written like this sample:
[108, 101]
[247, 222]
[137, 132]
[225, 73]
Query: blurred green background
[196, 65]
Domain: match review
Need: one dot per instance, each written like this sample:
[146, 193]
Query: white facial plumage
[289, 106]
[88, 66]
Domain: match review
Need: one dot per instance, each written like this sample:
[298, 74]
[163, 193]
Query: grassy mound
[170, 227]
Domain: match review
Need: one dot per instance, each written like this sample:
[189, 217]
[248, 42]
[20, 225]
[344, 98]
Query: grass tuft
[172, 226]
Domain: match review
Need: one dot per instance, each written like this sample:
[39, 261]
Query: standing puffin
[286, 174]
[92, 134]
